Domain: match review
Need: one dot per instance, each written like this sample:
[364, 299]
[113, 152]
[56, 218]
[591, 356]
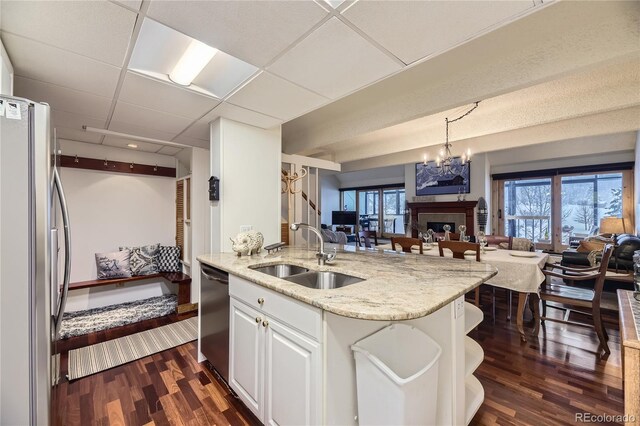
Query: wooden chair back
[458, 248]
[406, 243]
[496, 240]
[602, 272]
[452, 235]
[365, 237]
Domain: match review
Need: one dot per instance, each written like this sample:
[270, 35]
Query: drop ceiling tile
[62, 98]
[254, 31]
[136, 130]
[192, 141]
[42, 62]
[242, 115]
[74, 121]
[334, 60]
[223, 74]
[414, 29]
[98, 29]
[150, 93]
[271, 95]
[131, 4]
[150, 118]
[200, 129]
[170, 150]
[77, 135]
[123, 143]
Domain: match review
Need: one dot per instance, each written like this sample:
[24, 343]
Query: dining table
[519, 271]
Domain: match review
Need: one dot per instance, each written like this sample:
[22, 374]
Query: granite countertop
[397, 286]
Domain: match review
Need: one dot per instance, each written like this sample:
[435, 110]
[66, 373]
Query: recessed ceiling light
[192, 62]
[132, 145]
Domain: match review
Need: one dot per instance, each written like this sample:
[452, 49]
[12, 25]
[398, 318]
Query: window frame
[379, 195]
[556, 245]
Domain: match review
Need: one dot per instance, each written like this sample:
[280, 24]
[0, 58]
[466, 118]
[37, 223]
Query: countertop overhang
[397, 286]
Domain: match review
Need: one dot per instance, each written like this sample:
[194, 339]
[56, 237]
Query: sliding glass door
[393, 201]
[527, 209]
[379, 209]
[369, 207]
[557, 211]
[586, 199]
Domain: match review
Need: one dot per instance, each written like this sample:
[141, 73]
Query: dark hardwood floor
[545, 381]
[550, 378]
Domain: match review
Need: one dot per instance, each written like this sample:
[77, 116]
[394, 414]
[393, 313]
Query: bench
[183, 281]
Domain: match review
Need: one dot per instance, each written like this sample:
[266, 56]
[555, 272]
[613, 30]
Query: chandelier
[446, 163]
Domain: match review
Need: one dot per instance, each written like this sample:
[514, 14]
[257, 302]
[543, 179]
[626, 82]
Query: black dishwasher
[214, 311]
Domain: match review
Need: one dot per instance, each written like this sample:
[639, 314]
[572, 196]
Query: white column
[247, 160]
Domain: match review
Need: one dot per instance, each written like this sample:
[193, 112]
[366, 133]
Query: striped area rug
[102, 356]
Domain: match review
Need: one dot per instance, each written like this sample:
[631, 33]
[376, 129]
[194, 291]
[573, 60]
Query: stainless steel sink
[323, 279]
[281, 271]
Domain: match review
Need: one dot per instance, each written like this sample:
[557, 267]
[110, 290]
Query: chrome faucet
[321, 255]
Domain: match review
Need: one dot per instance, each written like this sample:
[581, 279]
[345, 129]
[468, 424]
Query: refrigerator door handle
[67, 255]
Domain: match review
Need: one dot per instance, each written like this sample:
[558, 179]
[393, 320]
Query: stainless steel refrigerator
[33, 223]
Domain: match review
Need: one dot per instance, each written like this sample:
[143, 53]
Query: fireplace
[438, 226]
[434, 215]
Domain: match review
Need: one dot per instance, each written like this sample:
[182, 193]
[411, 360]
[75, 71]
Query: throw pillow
[522, 244]
[589, 246]
[143, 259]
[168, 259]
[113, 265]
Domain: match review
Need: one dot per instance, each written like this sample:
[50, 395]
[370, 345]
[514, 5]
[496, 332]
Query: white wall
[6, 72]
[200, 223]
[636, 182]
[108, 210]
[330, 196]
[248, 162]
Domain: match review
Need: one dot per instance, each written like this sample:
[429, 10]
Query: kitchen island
[290, 345]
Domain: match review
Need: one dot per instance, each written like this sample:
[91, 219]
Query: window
[527, 207]
[348, 200]
[379, 209]
[560, 209]
[586, 199]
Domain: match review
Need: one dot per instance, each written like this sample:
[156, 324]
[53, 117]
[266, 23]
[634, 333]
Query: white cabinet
[275, 367]
[246, 354]
[292, 377]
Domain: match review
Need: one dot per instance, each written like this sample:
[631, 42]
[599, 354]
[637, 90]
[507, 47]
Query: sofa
[335, 237]
[621, 259]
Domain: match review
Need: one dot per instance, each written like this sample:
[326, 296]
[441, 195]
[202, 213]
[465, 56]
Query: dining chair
[496, 240]
[458, 248]
[406, 243]
[365, 237]
[453, 236]
[586, 300]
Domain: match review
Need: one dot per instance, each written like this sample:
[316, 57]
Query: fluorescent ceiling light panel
[334, 3]
[192, 62]
[168, 55]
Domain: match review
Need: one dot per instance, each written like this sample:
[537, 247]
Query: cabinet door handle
[260, 301]
[265, 323]
[258, 319]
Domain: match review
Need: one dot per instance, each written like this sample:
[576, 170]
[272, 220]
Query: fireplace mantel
[466, 207]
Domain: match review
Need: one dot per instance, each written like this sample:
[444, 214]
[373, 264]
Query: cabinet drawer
[296, 314]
